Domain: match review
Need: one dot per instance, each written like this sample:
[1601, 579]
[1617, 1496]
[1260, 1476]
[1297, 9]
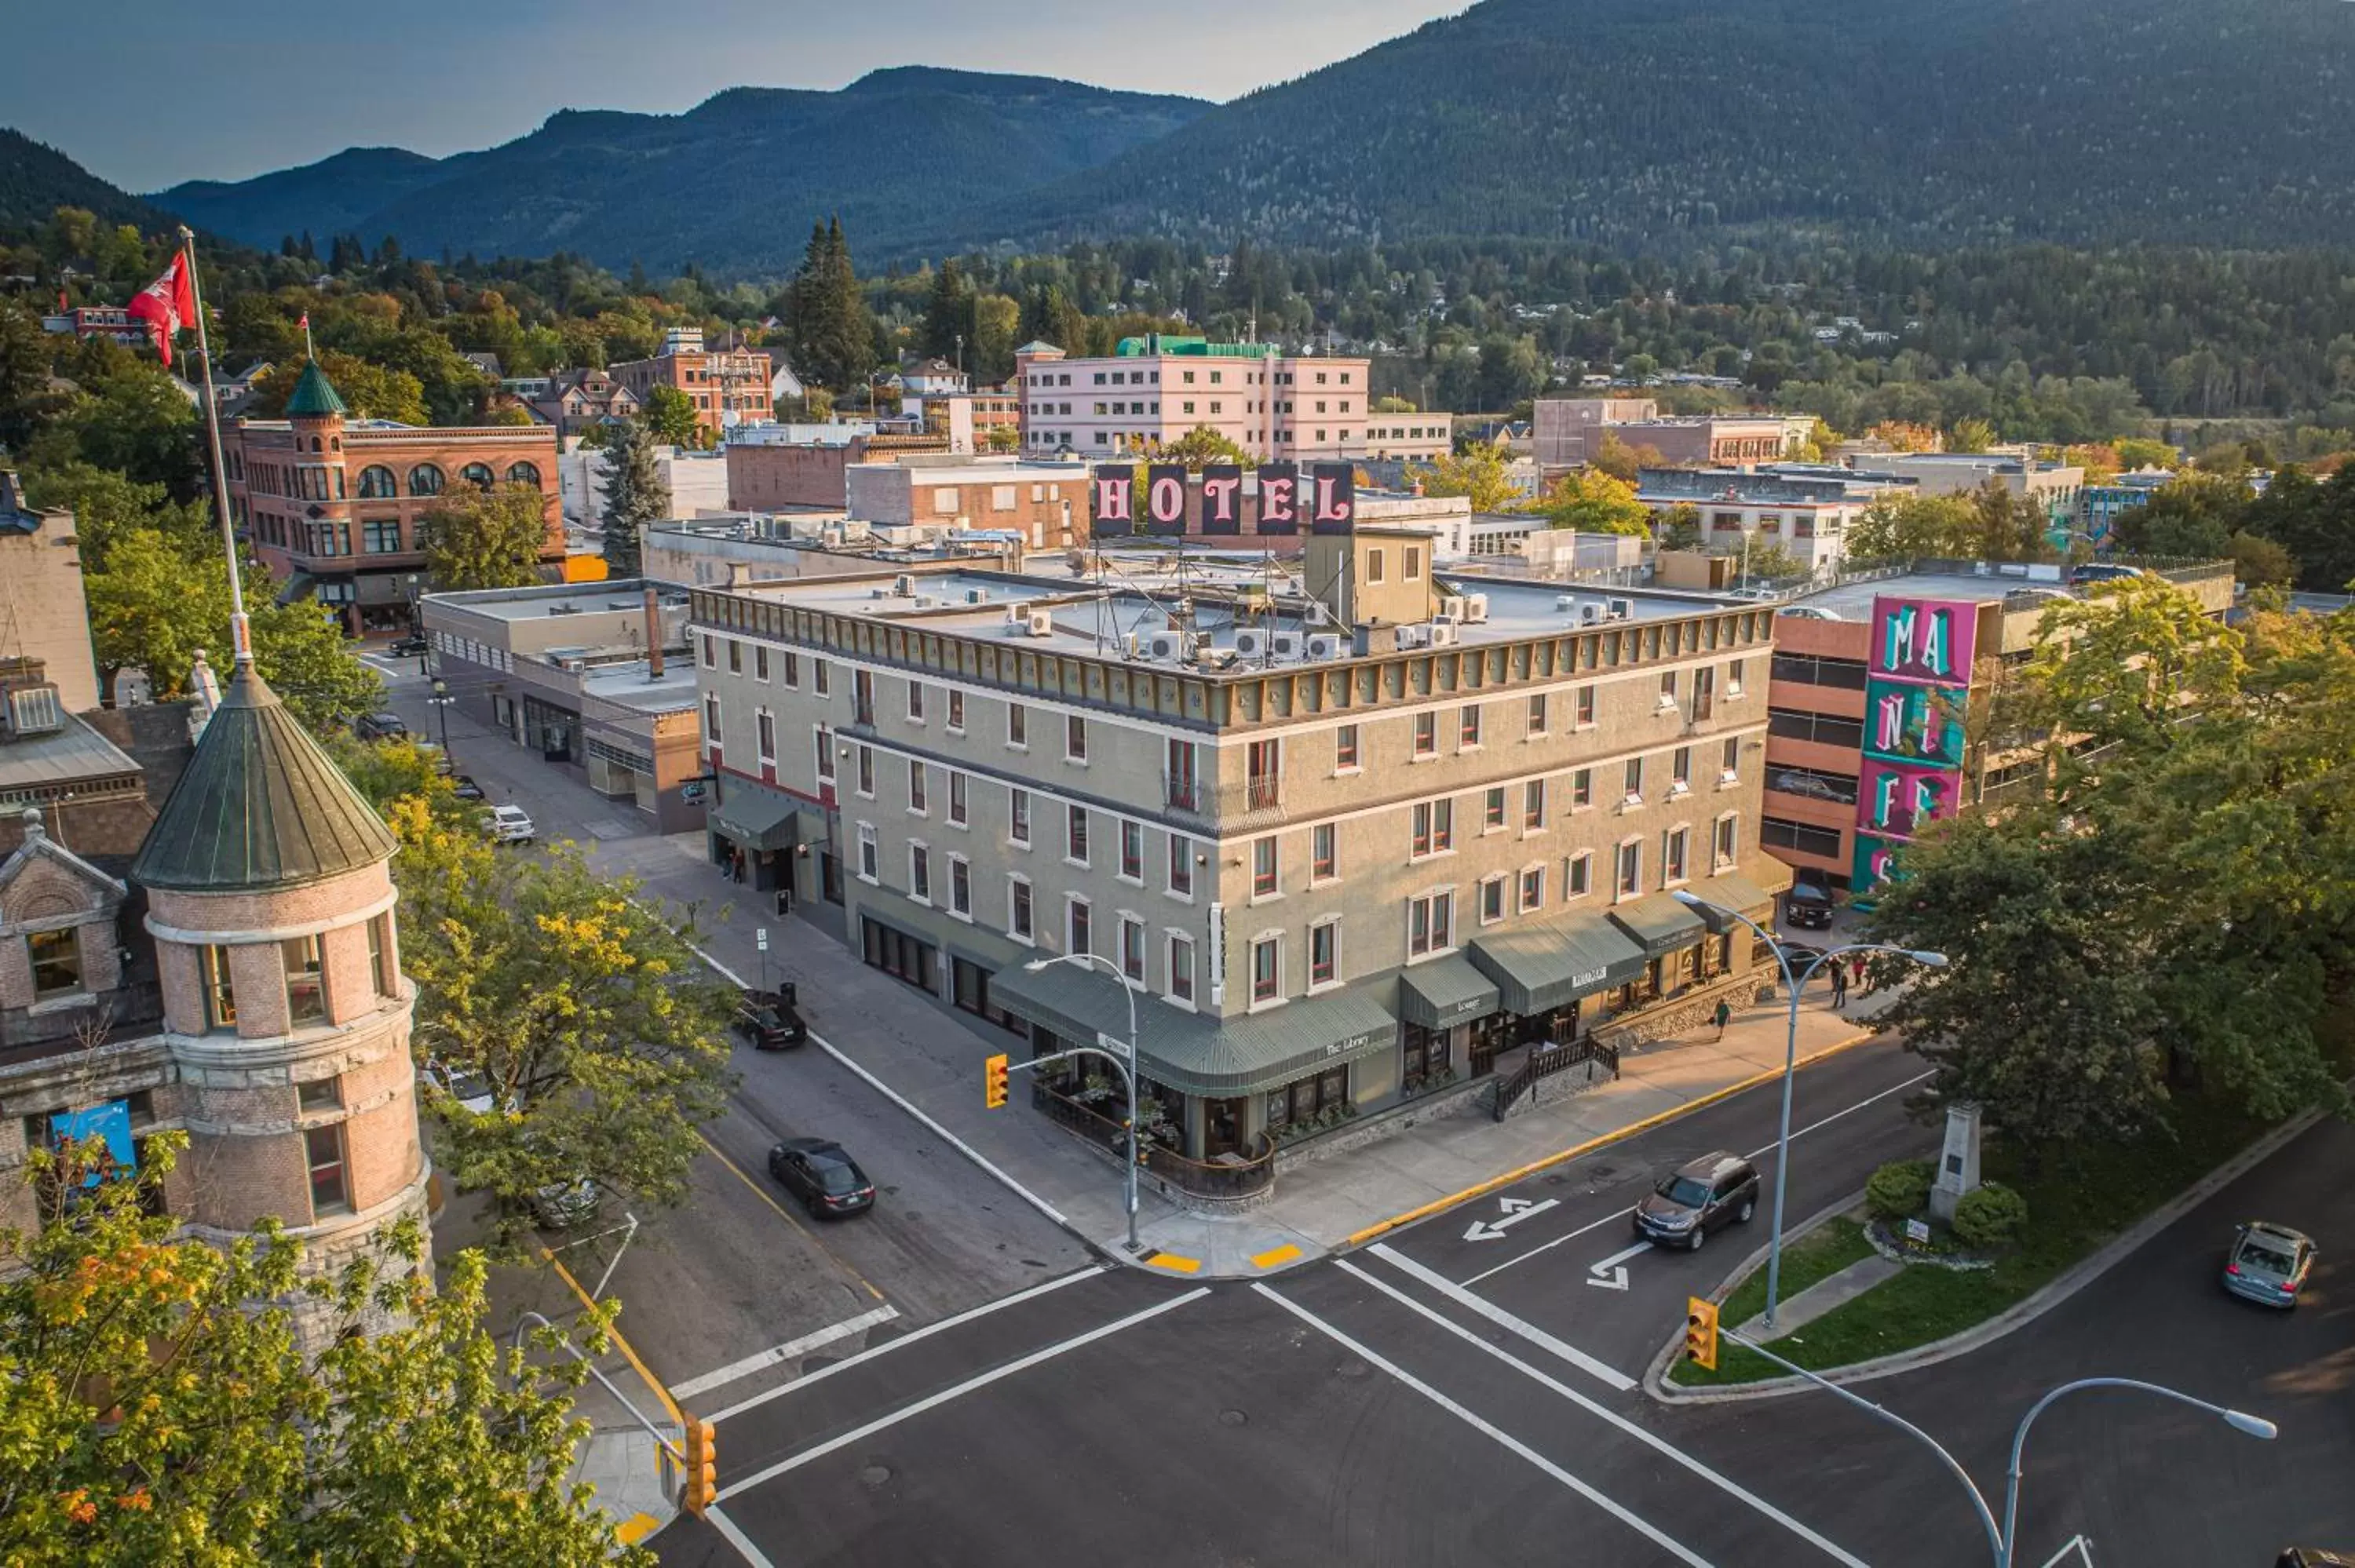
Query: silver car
[2268, 1263]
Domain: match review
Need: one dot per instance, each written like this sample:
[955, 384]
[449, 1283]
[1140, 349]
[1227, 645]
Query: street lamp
[1792, 983]
[1102, 1047]
[441, 699]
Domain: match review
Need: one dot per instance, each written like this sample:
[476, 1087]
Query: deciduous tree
[1478, 473]
[669, 414]
[370, 390]
[477, 538]
[1592, 502]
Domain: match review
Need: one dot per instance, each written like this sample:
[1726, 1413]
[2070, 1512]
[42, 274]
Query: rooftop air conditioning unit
[1588, 614]
[1621, 608]
[925, 601]
[1564, 601]
[1132, 644]
[1041, 623]
[903, 585]
[1251, 644]
[879, 593]
[1413, 637]
[1164, 645]
[1448, 623]
[1326, 645]
[1018, 614]
[976, 596]
[1476, 608]
[1285, 644]
[1443, 634]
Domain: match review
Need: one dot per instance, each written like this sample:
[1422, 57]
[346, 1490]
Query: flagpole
[241, 635]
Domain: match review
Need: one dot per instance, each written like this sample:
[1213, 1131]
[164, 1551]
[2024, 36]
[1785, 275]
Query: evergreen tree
[634, 495]
[832, 332]
[948, 315]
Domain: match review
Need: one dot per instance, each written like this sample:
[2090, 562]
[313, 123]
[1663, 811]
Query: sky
[156, 98]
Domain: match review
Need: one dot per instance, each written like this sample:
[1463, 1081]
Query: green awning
[754, 819]
[1551, 963]
[1194, 1052]
[1737, 894]
[1445, 992]
[1658, 922]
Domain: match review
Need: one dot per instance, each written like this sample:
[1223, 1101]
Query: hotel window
[1533, 806]
[821, 678]
[1672, 854]
[1727, 827]
[1582, 787]
[794, 670]
[918, 794]
[1680, 770]
[862, 697]
[318, 1095]
[1345, 748]
[866, 771]
[765, 725]
[1733, 678]
[822, 740]
[1492, 812]
[322, 1152]
[1430, 924]
[1412, 569]
[1132, 949]
[1181, 866]
[1667, 688]
[1263, 870]
[956, 709]
[1324, 863]
[920, 873]
[1181, 968]
[221, 994]
[1536, 714]
[869, 867]
[1467, 733]
[915, 701]
[759, 662]
[56, 961]
[1324, 952]
[1434, 827]
[1267, 969]
[1585, 706]
[1075, 738]
[1634, 778]
[1426, 735]
[1532, 889]
[381, 538]
[1631, 869]
[306, 980]
[1018, 817]
[1730, 766]
[1018, 907]
[956, 800]
[1577, 875]
[735, 657]
[380, 954]
[1704, 693]
[1075, 834]
[1018, 724]
[960, 886]
[1492, 899]
[1374, 573]
[1078, 932]
[1132, 851]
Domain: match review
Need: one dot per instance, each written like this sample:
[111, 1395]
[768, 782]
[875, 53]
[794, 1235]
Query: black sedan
[769, 1020]
[466, 789]
[410, 648]
[826, 1178]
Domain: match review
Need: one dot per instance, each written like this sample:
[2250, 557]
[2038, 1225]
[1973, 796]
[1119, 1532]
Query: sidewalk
[929, 1060]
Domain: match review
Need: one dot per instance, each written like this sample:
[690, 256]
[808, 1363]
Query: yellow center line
[786, 1215]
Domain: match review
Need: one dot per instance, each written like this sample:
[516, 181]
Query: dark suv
[1808, 904]
[769, 1019]
[1696, 1198]
[379, 726]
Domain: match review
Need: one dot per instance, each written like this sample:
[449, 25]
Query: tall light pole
[441, 699]
[1792, 984]
[1104, 1047]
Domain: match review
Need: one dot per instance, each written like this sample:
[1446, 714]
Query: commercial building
[1569, 432]
[238, 982]
[42, 615]
[2053, 486]
[113, 323]
[1876, 688]
[1156, 390]
[761, 547]
[697, 481]
[332, 504]
[1807, 518]
[777, 468]
[728, 386]
[1345, 848]
[1036, 499]
[2099, 507]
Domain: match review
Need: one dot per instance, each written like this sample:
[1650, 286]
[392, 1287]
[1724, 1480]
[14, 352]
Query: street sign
[761, 938]
[1112, 1046]
[1511, 1212]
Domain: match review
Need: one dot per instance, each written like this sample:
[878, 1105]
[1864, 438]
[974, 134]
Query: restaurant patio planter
[1207, 1187]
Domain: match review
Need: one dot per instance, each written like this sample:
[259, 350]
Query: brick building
[1045, 502]
[332, 503]
[778, 468]
[1568, 432]
[728, 386]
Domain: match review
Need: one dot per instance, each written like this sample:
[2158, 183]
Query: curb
[1482, 1189]
[1655, 1376]
[2020, 1313]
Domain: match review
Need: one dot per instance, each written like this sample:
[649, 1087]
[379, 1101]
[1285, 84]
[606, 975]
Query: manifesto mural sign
[1284, 501]
[1916, 696]
[1896, 797]
[1907, 722]
[1924, 639]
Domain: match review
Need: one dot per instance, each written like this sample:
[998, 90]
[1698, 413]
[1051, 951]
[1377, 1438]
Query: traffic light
[993, 1082]
[702, 1469]
[1701, 1332]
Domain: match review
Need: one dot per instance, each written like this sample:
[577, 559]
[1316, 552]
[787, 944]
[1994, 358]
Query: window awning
[1658, 922]
[755, 819]
[1551, 963]
[1738, 893]
[1445, 992]
[1196, 1054]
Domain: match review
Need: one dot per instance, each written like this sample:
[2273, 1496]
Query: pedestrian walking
[1724, 1017]
[1840, 986]
[1856, 968]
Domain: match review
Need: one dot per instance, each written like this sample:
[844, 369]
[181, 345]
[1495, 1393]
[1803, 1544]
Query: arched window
[524, 473]
[377, 484]
[425, 480]
[316, 446]
[478, 473]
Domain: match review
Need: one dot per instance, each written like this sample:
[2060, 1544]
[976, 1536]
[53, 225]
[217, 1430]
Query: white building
[697, 481]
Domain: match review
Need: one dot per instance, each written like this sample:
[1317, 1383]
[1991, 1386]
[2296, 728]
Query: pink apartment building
[1153, 390]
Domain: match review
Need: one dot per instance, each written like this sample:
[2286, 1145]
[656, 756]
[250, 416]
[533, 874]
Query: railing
[1544, 1062]
[1181, 791]
[1230, 803]
[1252, 1173]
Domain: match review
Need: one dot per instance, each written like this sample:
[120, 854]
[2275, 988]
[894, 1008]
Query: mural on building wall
[1895, 797]
[1924, 639]
[1917, 693]
[1876, 863]
[1914, 722]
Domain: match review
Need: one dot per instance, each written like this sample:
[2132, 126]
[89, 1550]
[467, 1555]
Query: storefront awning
[1445, 993]
[1551, 963]
[1658, 922]
[754, 819]
[299, 587]
[1737, 894]
[1196, 1054]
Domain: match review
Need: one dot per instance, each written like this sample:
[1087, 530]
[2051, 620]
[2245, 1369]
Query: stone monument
[1958, 1165]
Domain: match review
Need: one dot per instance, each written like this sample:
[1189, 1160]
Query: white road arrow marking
[1611, 1273]
[1516, 1210]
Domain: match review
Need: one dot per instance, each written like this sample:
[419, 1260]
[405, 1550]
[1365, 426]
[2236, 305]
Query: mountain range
[1639, 125]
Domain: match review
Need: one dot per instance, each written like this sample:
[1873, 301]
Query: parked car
[379, 726]
[511, 825]
[1811, 612]
[2268, 1263]
[469, 1088]
[1808, 904]
[771, 1019]
[466, 789]
[1697, 1197]
[2102, 572]
[561, 1205]
[825, 1178]
[409, 647]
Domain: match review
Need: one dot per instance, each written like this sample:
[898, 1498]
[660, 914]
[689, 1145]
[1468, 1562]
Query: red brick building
[332, 504]
[728, 386]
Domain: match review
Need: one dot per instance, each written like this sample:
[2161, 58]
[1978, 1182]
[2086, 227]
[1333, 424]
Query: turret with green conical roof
[314, 396]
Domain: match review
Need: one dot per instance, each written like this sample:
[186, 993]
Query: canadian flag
[167, 305]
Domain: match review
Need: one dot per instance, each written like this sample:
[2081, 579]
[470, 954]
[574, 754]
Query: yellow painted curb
[1482, 1189]
[1174, 1264]
[628, 1353]
[636, 1528]
[1275, 1255]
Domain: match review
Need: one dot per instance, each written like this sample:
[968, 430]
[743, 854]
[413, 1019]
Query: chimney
[654, 635]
